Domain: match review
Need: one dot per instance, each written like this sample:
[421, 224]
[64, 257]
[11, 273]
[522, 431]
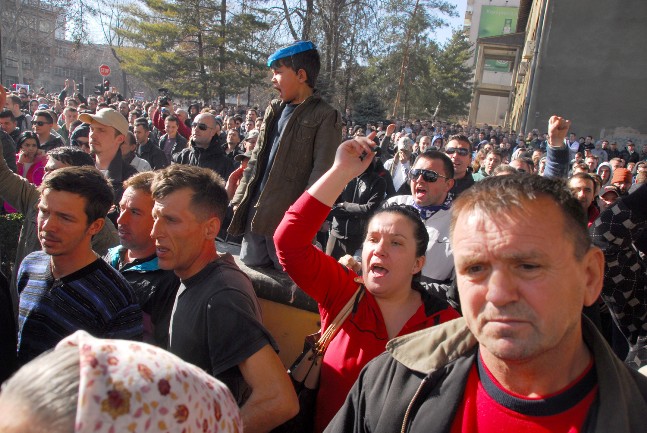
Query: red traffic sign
[104, 70]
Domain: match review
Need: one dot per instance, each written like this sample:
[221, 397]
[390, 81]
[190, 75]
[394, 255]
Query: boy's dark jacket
[306, 151]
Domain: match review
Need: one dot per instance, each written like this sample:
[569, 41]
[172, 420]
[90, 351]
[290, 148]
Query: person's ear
[593, 263]
[211, 228]
[418, 265]
[121, 138]
[302, 75]
[96, 226]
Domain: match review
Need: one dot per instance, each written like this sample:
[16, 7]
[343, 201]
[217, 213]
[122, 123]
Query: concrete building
[492, 22]
[583, 59]
[34, 51]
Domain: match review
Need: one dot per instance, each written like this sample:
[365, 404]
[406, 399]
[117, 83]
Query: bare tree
[111, 17]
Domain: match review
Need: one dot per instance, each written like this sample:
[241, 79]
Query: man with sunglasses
[459, 150]
[431, 179]
[205, 147]
[42, 126]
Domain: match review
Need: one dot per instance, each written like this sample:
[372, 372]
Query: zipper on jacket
[405, 421]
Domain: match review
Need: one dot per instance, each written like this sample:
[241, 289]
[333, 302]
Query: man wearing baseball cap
[108, 129]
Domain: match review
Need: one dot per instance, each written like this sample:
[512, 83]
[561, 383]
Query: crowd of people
[497, 279]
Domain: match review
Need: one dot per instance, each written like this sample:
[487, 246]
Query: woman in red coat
[393, 302]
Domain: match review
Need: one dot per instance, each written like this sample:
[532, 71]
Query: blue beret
[290, 50]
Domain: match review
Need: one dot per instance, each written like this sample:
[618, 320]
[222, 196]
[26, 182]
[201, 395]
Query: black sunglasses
[40, 123]
[427, 175]
[460, 150]
[201, 126]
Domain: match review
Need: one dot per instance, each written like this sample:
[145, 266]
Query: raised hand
[557, 130]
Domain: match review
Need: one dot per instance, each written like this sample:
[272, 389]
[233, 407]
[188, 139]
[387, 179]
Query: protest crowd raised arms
[180, 263]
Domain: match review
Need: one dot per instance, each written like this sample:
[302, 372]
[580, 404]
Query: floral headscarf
[127, 386]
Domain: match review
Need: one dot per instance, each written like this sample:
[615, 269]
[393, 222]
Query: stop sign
[104, 70]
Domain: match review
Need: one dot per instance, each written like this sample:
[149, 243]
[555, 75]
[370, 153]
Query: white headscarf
[126, 386]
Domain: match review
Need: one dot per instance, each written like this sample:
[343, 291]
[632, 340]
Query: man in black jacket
[205, 148]
[135, 258]
[148, 150]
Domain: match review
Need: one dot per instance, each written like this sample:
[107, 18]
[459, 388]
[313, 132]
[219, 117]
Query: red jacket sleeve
[310, 268]
[158, 122]
[184, 130]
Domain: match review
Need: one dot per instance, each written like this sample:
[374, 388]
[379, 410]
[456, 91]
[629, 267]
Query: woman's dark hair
[25, 136]
[419, 230]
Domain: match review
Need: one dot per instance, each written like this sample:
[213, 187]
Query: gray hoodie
[605, 164]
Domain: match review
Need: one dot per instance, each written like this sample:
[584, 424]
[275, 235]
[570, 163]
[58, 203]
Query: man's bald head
[203, 129]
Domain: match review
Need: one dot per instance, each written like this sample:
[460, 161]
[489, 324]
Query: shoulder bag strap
[333, 328]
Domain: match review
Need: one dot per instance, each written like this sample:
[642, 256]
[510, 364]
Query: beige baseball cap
[108, 117]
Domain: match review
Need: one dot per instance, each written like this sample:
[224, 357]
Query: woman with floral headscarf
[93, 385]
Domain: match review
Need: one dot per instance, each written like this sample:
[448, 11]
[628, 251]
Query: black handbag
[305, 370]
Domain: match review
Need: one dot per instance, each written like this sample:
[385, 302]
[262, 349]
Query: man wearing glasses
[431, 179]
[205, 147]
[42, 126]
[459, 151]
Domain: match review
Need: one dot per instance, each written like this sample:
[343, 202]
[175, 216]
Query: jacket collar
[116, 254]
[115, 169]
[432, 348]
[215, 148]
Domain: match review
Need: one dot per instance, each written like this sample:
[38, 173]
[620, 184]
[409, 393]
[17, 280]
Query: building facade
[34, 50]
[492, 21]
[584, 60]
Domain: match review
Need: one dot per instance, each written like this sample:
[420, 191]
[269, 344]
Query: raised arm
[557, 153]
[312, 270]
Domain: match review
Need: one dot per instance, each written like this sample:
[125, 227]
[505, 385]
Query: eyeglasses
[40, 123]
[200, 126]
[427, 175]
[460, 150]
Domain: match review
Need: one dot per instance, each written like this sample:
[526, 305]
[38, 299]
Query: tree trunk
[307, 21]
[221, 52]
[203, 72]
[334, 54]
[124, 86]
[405, 61]
[349, 67]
